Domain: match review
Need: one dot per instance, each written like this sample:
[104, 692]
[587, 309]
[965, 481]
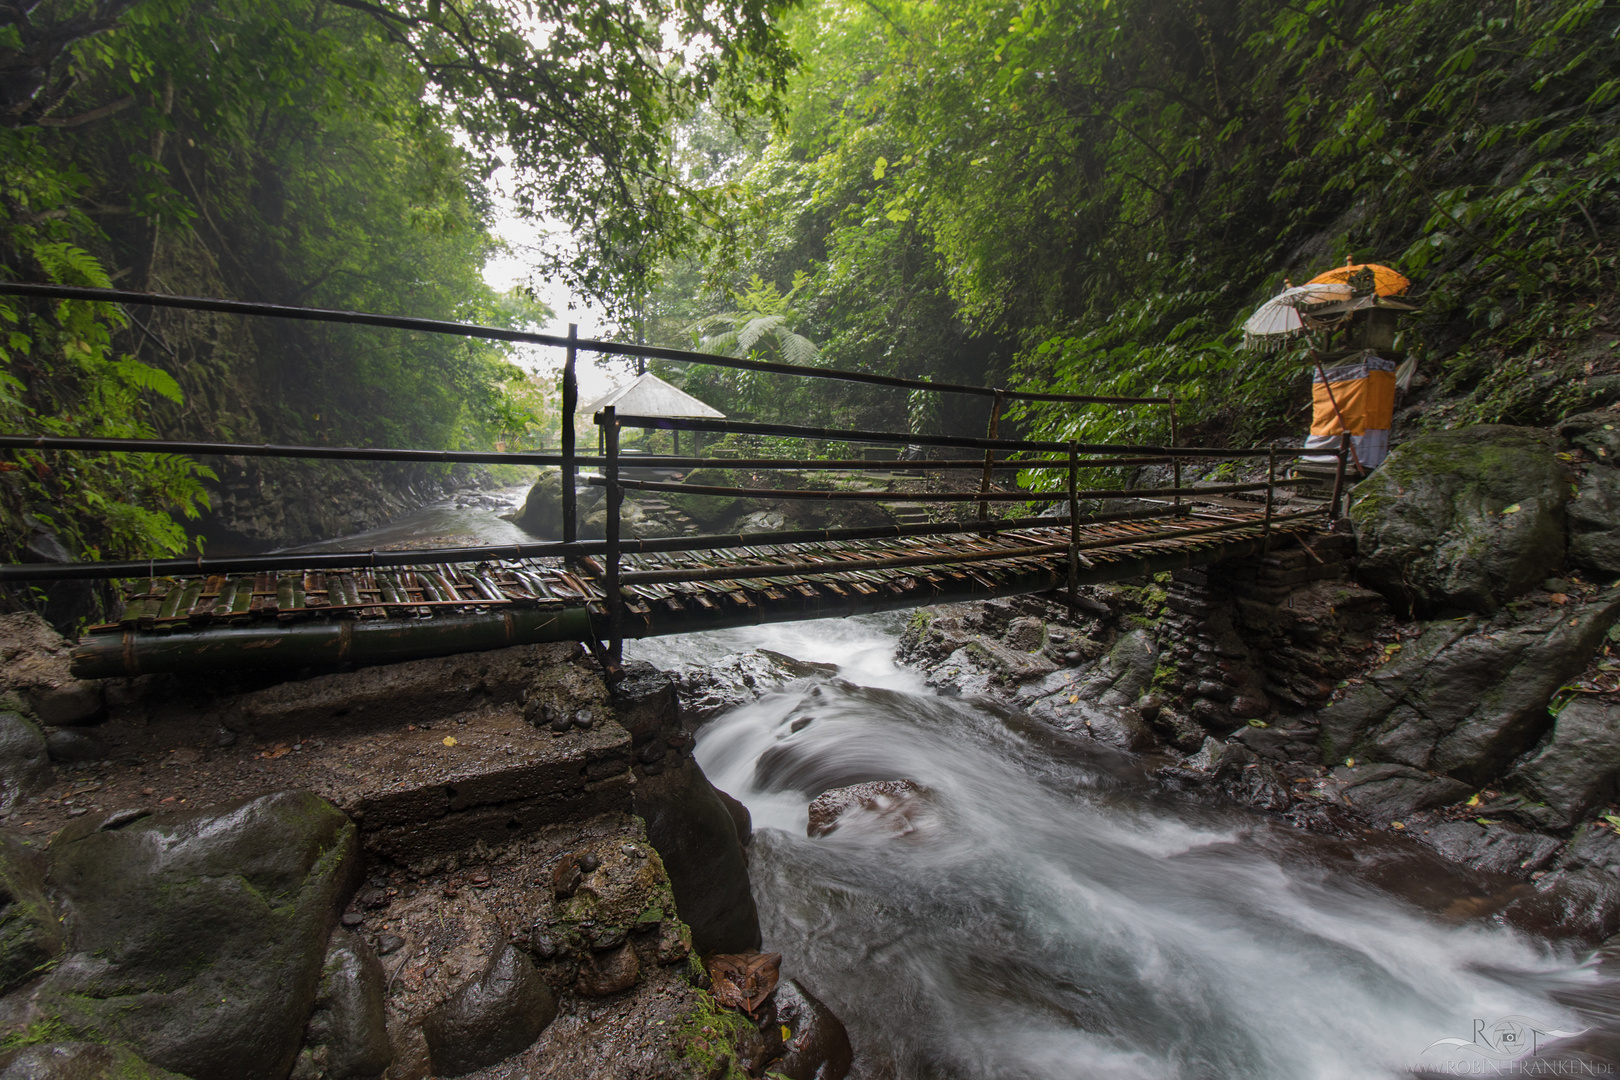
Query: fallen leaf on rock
[1558, 598]
[744, 980]
[1073, 698]
[1514, 509]
[279, 750]
[449, 740]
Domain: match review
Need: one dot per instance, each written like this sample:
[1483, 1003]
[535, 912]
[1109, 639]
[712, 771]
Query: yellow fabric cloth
[1365, 402]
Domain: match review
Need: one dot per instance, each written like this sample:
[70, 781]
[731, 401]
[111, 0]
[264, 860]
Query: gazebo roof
[651, 396]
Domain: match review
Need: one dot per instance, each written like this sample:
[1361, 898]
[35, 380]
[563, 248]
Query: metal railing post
[1175, 462]
[989, 459]
[1271, 493]
[1074, 527]
[570, 403]
[1338, 477]
[614, 501]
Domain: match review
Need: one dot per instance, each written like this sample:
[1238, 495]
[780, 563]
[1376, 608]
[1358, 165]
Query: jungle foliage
[1090, 196]
[333, 153]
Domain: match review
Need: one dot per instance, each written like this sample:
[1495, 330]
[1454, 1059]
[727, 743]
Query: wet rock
[1462, 520]
[817, 1047]
[1597, 433]
[387, 944]
[1468, 697]
[1594, 522]
[1026, 633]
[1389, 792]
[347, 1034]
[1498, 848]
[1577, 765]
[1243, 778]
[709, 690]
[895, 804]
[77, 1061]
[492, 1017]
[566, 877]
[74, 744]
[696, 839]
[608, 972]
[740, 817]
[541, 513]
[1583, 905]
[644, 701]
[30, 932]
[197, 938]
[25, 765]
[34, 663]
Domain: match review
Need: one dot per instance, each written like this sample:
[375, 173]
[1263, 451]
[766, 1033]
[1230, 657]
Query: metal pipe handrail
[530, 337]
[942, 496]
[742, 427]
[536, 458]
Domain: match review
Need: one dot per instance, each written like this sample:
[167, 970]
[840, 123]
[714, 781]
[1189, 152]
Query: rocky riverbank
[1444, 672]
[489, 865]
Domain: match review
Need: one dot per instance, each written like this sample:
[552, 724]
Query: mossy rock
[1463, 520]
[708, 510]
[78, 1061]
[30, 933]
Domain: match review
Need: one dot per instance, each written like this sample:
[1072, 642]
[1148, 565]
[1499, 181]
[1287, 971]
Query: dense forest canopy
[332, 153]
[1091, 196]
[1083, 196]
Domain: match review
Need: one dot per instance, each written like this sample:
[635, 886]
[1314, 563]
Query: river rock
[1598, 433]
[644, 702]
[492, 1017]
[707, 690]
[608, 972]
[196, 938]
[1581, 905]
[817, 1047]
[894, 804]
[1462, 520]
[1577, 765]
[1594, 522]
[30, 932]
[77, 1061]
[1385, 791]
[347, 1034]
[710, 511]
[740, 817]
[25, 764]
[74, 744]
[696, 839]
[1468, 696]
[34, 664]
[1499, 848]
[541, 514]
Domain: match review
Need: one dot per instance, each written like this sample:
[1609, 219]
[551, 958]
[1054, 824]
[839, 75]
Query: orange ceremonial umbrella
[1386, 282]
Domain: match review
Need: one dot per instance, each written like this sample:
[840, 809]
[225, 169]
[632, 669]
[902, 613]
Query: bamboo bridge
[366, 607]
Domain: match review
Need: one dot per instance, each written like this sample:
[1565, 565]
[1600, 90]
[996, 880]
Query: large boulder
[25, 764]
[347, 1034]
[1469, 695]
[1598, 433]
[1462, 520]
[541, 513]
[30, 934]
[195, 938]
[1577, 766]
[1594, 522]
[495, 1015]
[708, 510]
[696, 837]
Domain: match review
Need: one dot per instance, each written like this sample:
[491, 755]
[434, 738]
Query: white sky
[516, 267]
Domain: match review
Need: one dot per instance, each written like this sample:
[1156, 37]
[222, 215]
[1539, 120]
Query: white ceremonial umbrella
[1277, 320]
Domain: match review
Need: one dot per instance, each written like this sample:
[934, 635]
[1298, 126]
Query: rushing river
[1047, 912]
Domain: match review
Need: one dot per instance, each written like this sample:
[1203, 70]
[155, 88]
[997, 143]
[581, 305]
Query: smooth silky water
[1047, 911]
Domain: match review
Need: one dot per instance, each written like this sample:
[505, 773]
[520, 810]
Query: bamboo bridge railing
[354, 606]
